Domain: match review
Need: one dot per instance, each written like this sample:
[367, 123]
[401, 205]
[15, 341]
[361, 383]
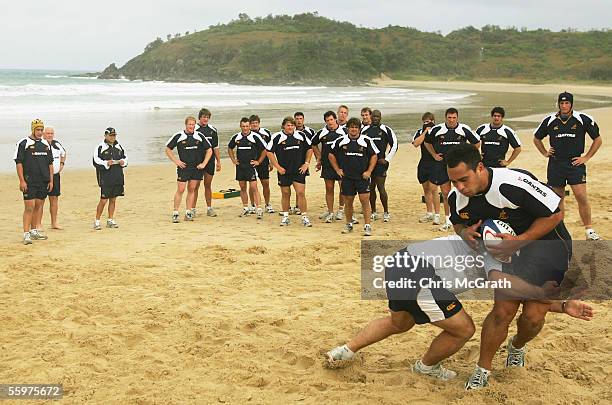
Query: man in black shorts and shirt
[211, 134]
[425, 168]
[566, 130]
[532, 210]
[353, 157]
[495, 140]
[264, 168]
[194, 153]
[250, 152]
[384, 138]
[109, 160]
[438, 141]
[298, 116]
[290, 153]
[34, 163]
[326, 137]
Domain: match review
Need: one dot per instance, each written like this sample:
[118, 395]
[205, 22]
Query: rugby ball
[489, 228]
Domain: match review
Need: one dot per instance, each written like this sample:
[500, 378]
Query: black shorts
[210, 166]
[36, 191]
[263, 172]
[380, 170]
[246, 173]
[424, 170]
[439, 175]
[351, 187]
[328, 173]
[541, 261]
[111, 191]
[55, 191]
[431, 305]
[189, 173]
[286, 180]
[561, 172]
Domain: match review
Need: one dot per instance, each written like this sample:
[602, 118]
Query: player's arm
[123, 160]
[304, 167]
[208, 154]
[50, 185]
[334, 164]
[392, 139]
[595, 145]
[542, 148]
[540, 133]
[574, 308]
[232, 156]
[515, 152]
[418, 139]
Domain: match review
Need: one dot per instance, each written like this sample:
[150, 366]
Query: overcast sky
[88, 35]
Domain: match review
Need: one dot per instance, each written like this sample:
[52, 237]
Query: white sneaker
[348, 228]
[436, 219]
[269, 209]
[339, 215]
[245, 212]
[194, 212]
[339, 357]
[27, 239]
[35, 235]
[252, 210]
[446, 227]
[324, 215]
[355, 220]
[284, 221]
[259, 213]
[96, 226]
[427, 218]
[175, 217]
[436, 371]
[291, 210]
[306, 222]
[211, 212]
[478, 379]
[297, 211]
[592, 235]
[329, 218]
[188, 215]
[386, 217]
[516, 357]
[374, 216]
[112, 224]
[367, 230]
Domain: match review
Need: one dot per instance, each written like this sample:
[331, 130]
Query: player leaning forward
[248, 155]
[34, 163]
[290, 153]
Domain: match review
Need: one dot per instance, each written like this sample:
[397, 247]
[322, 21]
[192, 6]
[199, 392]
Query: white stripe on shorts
[428, 305]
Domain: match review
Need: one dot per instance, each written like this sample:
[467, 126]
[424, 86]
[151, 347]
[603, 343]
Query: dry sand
[231, 310]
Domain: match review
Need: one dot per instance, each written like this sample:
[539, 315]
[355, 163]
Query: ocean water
[146, 114]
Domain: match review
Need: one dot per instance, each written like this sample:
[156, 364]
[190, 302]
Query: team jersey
[353, 155]
[309, 132]
[58, 151]
[326, 138]
[567, 138]
[382, 136]
[266, 136]
[35, 156]
[495, 142]
[290, 150]
[109, 175]
[248, 147]
[211, 135]
[513, 196]
[191, 147]
[425, 155]
[444, 138]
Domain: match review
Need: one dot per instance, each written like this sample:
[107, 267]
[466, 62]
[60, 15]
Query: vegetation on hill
[310, 49]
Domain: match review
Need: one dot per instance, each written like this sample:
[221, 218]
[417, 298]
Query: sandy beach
[232, 310]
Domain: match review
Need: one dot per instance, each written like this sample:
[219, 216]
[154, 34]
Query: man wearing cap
[34, 162]
[109, 160]
[566, 130]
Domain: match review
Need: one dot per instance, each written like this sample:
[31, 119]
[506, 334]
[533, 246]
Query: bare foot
[56, 227]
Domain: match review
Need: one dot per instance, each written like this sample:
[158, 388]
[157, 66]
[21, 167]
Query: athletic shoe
[339, 215]
[306, 222]
[324, 215]
[211, 212]
[112, 224]
[245, 212]
[252, 210]
[175, 217]
[386, 217]
[516, 357]
[269, 209]
[436, 371]
[35, 235]
[194, 212]
[427, 218]
[340, 353]
[188, 215]
[97, 226]
[436, 219]
[355, 220]
[374, 216]
[285, 221]
[367, 230]
[348, 228]
[27, 239]
[259, 213]
[297, 211]
[446, 227]
[592, 235]
[329, 218]
[478, 379]
[291, 210]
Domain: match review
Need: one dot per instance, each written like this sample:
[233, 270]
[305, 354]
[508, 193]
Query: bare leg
[192, 187]
[348, 208]
[531, 321]
[243, 193]
[379, 329]
[178, 196]
[365, 206]
[329, 194]
[340, 196]
[112, 202]
[445, 188]
[254, 192]
[53, 208]
[38, 213]
[300, 191]
[265, 186]
[100, 207]
[285, 198]
[373, 196]
[584, 208]
[208, 189]
[28, 212]
[429, 206]
[457, 330]
[379, 182]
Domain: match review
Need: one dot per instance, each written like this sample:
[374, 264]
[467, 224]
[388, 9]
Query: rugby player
[59, 159]
[212, 136]
[264, 168]
[425, 169]
[495, 140]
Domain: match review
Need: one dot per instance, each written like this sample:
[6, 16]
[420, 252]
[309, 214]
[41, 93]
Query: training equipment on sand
[229, 193]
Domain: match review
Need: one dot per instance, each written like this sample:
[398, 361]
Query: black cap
[109, 131]
[565, 96]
